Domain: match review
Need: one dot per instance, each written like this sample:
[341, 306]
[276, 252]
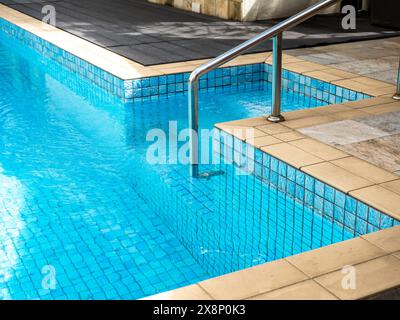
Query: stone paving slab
[377, 59]
[383, 152]
[388, 122]
[343, 132]
[375, 138]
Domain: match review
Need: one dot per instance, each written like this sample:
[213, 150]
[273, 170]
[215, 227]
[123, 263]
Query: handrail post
[397, 94]
[276, 116]
[193, 127]
[273, 32]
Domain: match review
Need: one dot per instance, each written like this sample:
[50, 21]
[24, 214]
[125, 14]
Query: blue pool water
[79, 198]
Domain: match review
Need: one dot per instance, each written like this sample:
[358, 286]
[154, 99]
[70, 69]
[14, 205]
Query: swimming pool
[80, 202]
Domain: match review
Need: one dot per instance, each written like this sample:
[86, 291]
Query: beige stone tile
[307, 122]
[289, 136]
[365, 84]
[300, 114]
[368, 102]
[334, 257]
[289, 58]
[192, 292]
[333, 108]
[13, 15]
[242, 133]
[263, 141]
[365, 169]
[322, 75]
[336, 176]
[351, 84]
[292, 155]
[319, 149]
[261, 55]
[180, 69]
[381, 91]
[386, 95]
[286, 59]
[372, 277]
[340, 73]
[179, 64]
[253, 281]
[240, 61]
[351, 114]
[392, 185]
[248, 59]
[301, 67]
[380, 198]
[387, 107]
[372, 83]
[387, 239]
[274, 128]
[306, 290]
[248, 122]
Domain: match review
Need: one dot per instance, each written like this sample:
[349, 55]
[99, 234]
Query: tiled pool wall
[239, 78]
[113, 85]
[52, 57]
[353, 216]
[183, 208]
[311, 87]
[231, 222]
[245, 77]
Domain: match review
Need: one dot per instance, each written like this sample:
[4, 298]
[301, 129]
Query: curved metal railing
[274, 32]
[397, 94]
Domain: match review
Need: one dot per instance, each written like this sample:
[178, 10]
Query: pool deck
[377, 59]
[152, 34]
[328, 143]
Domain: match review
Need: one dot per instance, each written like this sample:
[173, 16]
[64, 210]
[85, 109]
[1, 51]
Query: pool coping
[380, 191]
[313, 275]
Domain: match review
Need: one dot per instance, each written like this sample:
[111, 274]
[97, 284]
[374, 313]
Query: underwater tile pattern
[113, 253]
[67, 207]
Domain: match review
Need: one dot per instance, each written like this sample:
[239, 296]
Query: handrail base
[275, 119]
[396, 96]
[209, 175]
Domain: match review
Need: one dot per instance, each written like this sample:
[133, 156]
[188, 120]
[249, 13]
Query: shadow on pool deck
[151, 34]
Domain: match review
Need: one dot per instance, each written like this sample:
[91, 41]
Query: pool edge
[287, 279]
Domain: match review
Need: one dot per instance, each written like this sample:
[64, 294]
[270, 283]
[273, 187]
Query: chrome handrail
[276, 32]
[397, 94]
